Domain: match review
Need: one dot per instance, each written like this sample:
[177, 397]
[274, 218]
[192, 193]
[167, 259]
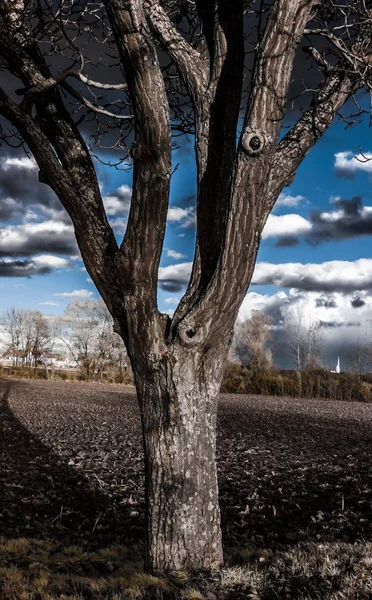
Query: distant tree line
[85, 333]
[36, 342]
[251, 366]
[253, 345]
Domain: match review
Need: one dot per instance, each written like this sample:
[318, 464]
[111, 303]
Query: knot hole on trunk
[190, 336]
[253, 142]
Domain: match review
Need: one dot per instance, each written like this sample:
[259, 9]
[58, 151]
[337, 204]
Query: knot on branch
[253, 142]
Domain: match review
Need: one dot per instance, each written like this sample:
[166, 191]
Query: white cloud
[171, 300]
[348, 164]
[179, 272]
[263, 302]
[50, 261]
[33, 238]
[336, 215]
[175, 255]
[49, 303]
[288, 200]
[89, 280]
[284, 225]
[18, 163]
[119, 224]
[176, 214]
[344, 318]
[112, 205]
[184, 216]
[332, 276]
[37, 265]
[118, 202]
[75, 294]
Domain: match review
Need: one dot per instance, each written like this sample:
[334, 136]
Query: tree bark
[178, 400]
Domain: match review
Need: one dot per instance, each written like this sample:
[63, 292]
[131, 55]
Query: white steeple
[338, 366]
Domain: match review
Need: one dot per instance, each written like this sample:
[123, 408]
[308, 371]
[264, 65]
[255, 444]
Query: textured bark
[179, 409]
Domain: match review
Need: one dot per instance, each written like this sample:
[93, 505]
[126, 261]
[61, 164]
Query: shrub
[306, 384]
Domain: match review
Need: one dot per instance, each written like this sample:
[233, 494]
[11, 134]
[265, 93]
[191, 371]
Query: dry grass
[35, 570]
[43, 570]
[328, 571]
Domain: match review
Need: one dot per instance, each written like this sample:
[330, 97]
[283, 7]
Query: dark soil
[290, 470]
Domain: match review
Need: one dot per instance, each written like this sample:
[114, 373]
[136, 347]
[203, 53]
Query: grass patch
[43, 570]
[326, 571]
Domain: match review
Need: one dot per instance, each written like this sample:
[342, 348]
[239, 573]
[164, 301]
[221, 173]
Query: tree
[12, 322]
[86, 330]
[305, 340]
[254, 337]
[28, 333]
[40, 339]
[186, 68]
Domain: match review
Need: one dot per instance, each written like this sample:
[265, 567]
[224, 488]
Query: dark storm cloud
[22, 268]
[31, 239]
[274, 309]
[310, 283]
[344, 173]
[353, 221]
[172, 285]
[328, 277]
[20, 188]
[357, 302]
[338, 324]
[331, 324]
[287, 241]
[326, 302]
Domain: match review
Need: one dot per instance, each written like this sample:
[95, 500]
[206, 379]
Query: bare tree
[254, 336]
[12, 322]
[40, 341]
[359, 355]
[186, 67]
[87, 331]
[28, 335]
[305, 340]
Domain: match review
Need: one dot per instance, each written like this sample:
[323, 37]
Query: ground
[295, 492]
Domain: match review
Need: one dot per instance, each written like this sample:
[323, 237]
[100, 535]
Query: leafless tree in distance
[253, 340]
[86, 331]
[225, 76]
[305, 340]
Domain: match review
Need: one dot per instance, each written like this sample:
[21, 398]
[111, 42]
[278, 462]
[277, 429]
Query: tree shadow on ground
[42, 497]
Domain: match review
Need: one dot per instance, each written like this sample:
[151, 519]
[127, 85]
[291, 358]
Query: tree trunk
[178, 402]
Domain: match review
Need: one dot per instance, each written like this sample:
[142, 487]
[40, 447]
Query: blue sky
[310, 256]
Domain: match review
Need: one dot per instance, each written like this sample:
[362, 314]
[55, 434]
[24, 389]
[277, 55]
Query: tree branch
[186, 58]
[93, 233]
[352, 72]
[273, 68]
[143, 242]
[216, 126]
[337, 88]
[251, 174]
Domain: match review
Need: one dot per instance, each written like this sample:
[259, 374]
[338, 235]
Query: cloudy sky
[315, 255]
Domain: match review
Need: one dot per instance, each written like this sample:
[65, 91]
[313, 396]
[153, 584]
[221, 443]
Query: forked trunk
[178, 404]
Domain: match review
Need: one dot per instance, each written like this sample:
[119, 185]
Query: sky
[315, 255]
